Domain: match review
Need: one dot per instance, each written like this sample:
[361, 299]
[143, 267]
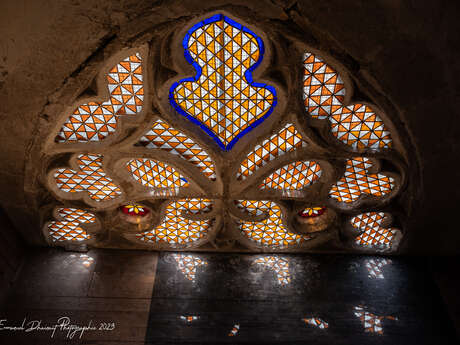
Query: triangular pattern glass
[222, 98]
[94, 121]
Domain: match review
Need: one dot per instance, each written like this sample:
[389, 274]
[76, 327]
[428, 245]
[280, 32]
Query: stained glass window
[374, 235]
[356, 125]
[188, 265]
[68, 229]
[152, 173]
[271, 231]
[93, 121]
[323, 88]
[311, 212]
[163, 136]
[357, 181]
[134, 210]
[374, 267]
[294, 176]
[222, 98]
[286, 140]
[316, 322]
[253, 207]
[176, 229]
[279, 265]
[91, 178]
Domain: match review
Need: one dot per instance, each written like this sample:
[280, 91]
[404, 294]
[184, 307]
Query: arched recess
[164, 50]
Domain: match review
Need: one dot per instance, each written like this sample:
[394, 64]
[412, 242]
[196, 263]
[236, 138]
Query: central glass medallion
[222, 98]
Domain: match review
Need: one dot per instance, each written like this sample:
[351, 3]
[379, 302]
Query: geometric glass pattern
[254, 208]
[311, 212]
[235, 330]
[222, 98]
[93, 121]
[68, 229]
[357, 181]
[360, 127]
[374, 235]
[91, 178]
[271, 231]
[156, 174]
[323, 88]
[188, 265]
[372, 323]
[356, 125]
[176, 229]
[163, 136]
[374, 267]
[317, 322]
[277, 264]
[134, 210]
[293, 176]
[286, 140]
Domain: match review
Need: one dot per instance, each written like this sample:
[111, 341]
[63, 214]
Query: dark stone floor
[152, 299]
[235, 290]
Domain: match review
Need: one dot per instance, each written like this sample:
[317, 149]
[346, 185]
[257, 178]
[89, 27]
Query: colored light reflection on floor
[317, 322]
[328, 299]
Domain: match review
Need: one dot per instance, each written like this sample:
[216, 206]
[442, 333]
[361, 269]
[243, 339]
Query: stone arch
[401, 160]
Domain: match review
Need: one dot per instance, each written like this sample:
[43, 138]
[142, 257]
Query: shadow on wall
[12, 254]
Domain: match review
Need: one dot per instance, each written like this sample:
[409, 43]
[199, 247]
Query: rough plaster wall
[12, 255]
[404, 49]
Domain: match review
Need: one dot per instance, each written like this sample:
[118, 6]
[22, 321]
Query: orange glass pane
[162, 136]
[176, 229]
[323, 88]
[294, 176]
[357, 181]
[93, 121]
[374, 235]
[69, 229]
[91, 178]
[356, 125]
[270, 232]
[152, 173]
[222, 98]
[286, 140]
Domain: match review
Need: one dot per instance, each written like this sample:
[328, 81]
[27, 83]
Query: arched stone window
[220, 137]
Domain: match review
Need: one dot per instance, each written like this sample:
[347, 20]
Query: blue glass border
[247, 76]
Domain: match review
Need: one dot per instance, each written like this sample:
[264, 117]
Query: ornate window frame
[224, 234]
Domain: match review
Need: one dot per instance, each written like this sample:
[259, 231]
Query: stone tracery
[225, 101]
